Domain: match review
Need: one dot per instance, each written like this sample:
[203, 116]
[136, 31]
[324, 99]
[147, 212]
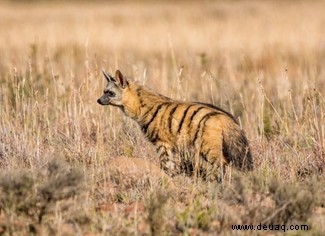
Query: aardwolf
[203, 131]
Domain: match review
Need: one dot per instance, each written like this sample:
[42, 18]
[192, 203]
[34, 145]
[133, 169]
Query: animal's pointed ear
[108, 77]
[120, 79]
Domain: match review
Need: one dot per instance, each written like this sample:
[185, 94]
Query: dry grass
[263, 61]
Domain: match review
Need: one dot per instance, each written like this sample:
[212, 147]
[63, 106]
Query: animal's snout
[99, 101]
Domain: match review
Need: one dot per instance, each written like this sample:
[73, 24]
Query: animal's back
[212, 133]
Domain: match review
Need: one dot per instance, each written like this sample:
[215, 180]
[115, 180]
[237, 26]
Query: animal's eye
[110, 93]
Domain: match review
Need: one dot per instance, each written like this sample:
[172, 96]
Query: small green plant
[196, 216]
[156, 218]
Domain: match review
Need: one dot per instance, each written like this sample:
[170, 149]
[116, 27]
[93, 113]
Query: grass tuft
[31, 197]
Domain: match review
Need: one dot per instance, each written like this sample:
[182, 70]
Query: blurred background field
[261, 60]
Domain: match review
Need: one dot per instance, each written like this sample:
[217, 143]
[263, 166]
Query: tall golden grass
[262, 61]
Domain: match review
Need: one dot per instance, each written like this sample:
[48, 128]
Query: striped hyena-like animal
[202, 131]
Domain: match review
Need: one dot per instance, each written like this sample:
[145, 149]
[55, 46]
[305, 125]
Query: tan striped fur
[202, 131]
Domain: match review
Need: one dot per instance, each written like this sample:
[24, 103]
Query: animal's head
[115, 89]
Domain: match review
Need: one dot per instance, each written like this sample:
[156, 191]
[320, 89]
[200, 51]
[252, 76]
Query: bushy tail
[236, 149]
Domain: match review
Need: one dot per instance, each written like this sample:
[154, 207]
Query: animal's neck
[148, 99]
